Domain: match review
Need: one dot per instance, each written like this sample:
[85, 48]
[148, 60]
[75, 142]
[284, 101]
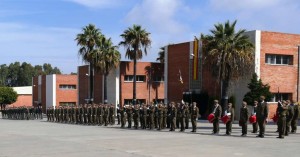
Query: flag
[180, 77]
[195, 58]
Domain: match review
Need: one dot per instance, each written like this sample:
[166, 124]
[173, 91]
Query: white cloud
[235, 5]
[162, 19]
[98, 3]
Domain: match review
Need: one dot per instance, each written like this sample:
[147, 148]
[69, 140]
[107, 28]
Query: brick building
[150, 85]
[54, 90]
[276, 63]
[24, 96]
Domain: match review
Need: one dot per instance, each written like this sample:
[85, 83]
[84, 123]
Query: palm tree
[87, 41]
[108, 58]
[161, 55]
[135, 40]
[230, 54]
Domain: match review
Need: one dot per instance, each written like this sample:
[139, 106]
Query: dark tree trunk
[91, 96]
[225, 88]
[105, 88]
[134, 79]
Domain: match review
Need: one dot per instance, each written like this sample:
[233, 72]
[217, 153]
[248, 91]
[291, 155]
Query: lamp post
[88, 89]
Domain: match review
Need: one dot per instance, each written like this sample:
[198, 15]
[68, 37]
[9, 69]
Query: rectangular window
[138, 101]
[66, 87]
[139, 78]
[156, 101]
[158, 79]
[279, 59]
[67, 103]
[281, 96]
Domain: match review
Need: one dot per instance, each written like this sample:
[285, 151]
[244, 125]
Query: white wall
[50, 90]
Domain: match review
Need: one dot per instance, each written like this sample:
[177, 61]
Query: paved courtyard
[39, 138]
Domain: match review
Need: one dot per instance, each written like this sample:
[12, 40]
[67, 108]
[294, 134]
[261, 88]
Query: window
[281, 96]
[67, 86]
[158, 79]
[156, 101]
[67, 104]
[279, 59]
[139, 78]
[138, 101]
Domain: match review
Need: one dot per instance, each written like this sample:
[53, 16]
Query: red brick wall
[178, 58]
[43, 93]
[35, 90]
[142, 88]
[83, 83]
[66, 95]
[282, 76]
[23, 100]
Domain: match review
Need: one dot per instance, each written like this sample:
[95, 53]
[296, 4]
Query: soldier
[194, 116]
[294, 122]
[244, 115]
[101, 114]
[155, 114]
[261, 116]
[129, 115]
[164, 121]
[178, 114]
[160, 116]
[118, 114]
[123, 116]
[282, 109]
[187, 116]
[289, 117]
[136, 116]
[106, 115]
[168, 116]
[144, 112]
[112, 114]
[230, 113]
[217, 112]
[254, 125]
[173, 117]
[48, 114]
[150, 116]
[181, 115]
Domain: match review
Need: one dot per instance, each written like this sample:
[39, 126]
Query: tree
[161, 55]
[135, 40]
[20, 74]
[230, 54]
[87, 42]
[109, 58]
[257, 89]
[7, 96]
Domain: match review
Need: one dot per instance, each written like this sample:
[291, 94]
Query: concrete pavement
[39, 138]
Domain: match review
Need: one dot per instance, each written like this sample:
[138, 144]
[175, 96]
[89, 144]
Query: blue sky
[43, 31]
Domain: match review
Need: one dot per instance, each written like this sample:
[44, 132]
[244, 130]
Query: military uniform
[173, 116]
[244, 115]
[129, 116]
[289, 117]
[282, 110]
[261, 116]
[230, 113]
[294, 122]
[194, 116]
[217, 112]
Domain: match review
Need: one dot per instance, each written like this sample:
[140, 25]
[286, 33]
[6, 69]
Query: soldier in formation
[22, 113]
[87, 114]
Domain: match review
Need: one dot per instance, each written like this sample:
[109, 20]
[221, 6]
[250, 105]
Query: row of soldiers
[22, 113]
[160, 116]
[288, 114]
[87, 114]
